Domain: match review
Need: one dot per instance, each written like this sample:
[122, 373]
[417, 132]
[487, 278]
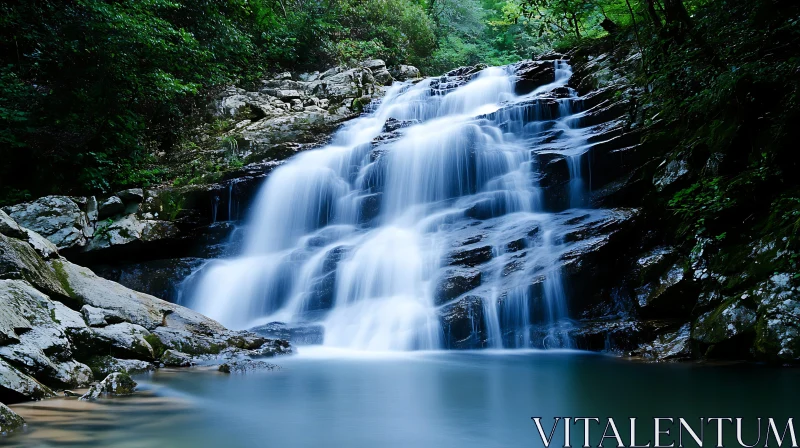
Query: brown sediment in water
[70, 421]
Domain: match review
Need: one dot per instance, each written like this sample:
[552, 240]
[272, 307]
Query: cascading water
[368, 235]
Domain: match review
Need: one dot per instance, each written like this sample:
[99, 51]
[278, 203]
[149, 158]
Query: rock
[337, 85]
[533, 74]
[57, 218]
[9, 420]
[669, 347]
[405, 72]
[117, 383]
[173, 358]
[463, 323]
[671, 295]
[129, 229]
[246, 366]
[287, 95]
[296, 334]
[133, 195]
[471, 256]
[41, 245]
[284, 75]
[18, 260]
[102, 366]
[16, 386]
[778, 325]
[9, 227]
[99, 317]
[125, 340]
[669, 173]
[456, 282]
[110, 207]
[160, 278]
[728, 321]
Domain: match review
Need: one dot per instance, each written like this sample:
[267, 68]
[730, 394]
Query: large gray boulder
[117, 383]
[405, 72]
[57, 218]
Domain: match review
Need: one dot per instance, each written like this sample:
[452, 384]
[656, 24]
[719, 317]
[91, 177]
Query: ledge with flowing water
[456, 214]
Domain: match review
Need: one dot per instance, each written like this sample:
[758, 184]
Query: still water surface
[439, 399]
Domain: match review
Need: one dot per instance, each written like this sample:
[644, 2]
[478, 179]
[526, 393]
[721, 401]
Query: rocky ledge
[62, 327]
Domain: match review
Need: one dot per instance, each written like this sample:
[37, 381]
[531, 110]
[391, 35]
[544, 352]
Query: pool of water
[436, 399]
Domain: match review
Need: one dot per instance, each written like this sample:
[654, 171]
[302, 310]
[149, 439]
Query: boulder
[173, 358]
[246, 366]
[110, 207]
[668, 173]
[672, 346]
[57, 218]
[471, 256]
[117, 383]
[129, 229]
[9, 227]
[299, 334]
[9, 420]
[671, 295]
[16, 386]
[404, 72]
[102, 366]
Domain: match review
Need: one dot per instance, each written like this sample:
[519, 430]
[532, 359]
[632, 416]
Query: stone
[110, 207]
[778, 325]
[296, 334]
[669, 347]
[456, 282]
[287, 95]
[9, 420]
[463, 323]
[16, 386]
[115, 384]
[728, 321]
[668, 296]
[404, 72]
[102, 366]
[669, 173]
[247, 366]
[174, 358]
[533, 74]
[9, 227]
[133, 195]
[128, 229]
[472, 256]
[99, 317]
[57, 218]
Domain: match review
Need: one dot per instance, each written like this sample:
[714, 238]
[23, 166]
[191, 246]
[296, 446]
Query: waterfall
[439, 182]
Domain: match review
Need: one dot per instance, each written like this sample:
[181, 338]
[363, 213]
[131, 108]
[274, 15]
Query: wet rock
[456, 282]
[553, 169]
[117, 383]
[102, 366]
[404, 72]
[393, 124]
[57, 218]
[730, 320]
[308, 334]
[247, 366]
[471, 256]
[778, 326]
[671, 295]
[669, 173]
[16, 386]
[532, 74]
[669, 347]
[463, 323]
[9, 420]
[125, 339]
[379, 71]
[172, 358]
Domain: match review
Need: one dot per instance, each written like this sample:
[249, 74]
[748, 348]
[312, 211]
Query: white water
[356, 236]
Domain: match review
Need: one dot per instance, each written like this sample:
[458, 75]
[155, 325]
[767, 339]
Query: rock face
[61, 326]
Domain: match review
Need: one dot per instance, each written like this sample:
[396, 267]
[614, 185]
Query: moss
[53, 316]
[62, 277]
[158, 347]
